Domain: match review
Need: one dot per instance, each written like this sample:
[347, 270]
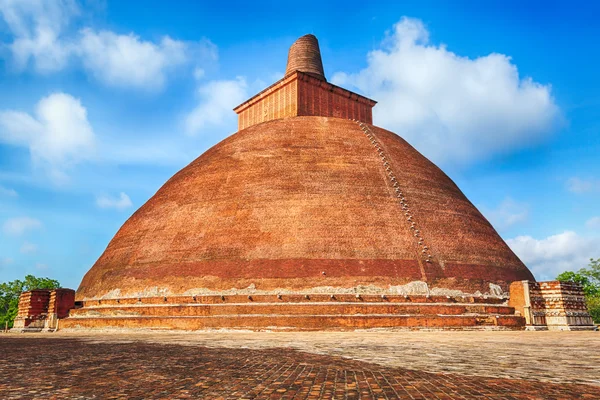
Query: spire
[305, 56]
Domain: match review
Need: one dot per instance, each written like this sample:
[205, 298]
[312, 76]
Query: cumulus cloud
[452, 108]
[550, 256]
[216, 100]
[7, 192]
[28, 248]
[37, 26]
[58, 135]
[580, 186]
[593, 222]
[41, 38]
[20, 225]
[507, 214]
[120, 203]
[126, 60]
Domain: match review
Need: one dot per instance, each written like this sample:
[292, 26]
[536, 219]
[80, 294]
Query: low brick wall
[33, 309]
[40, 309]
[551, 305]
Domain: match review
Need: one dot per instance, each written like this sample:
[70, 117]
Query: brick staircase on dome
[297, 312]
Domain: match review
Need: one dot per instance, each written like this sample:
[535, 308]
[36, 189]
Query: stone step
[287, 308]
[296, 298]
[300, 322]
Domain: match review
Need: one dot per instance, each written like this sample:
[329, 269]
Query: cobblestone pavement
[559, 357]
[150, 366]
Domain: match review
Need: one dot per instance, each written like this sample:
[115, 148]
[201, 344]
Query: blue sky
[102, 101]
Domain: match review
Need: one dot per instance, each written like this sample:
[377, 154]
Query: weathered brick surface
[301, 94]
[61, 301]
[72, 369]
[552, 305]
[301, 203]
[305, 56]
[296, 312]
[33, 309]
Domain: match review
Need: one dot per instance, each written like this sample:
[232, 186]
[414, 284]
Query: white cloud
[41, 37]
[19, 226]
[58, 136]
[217, 99]
[452, 108]
[199, 73]
[6, 192]
[580, 186]
[507, 214]
[550, 256]
[120, 203]
[126, 60]
[37, 26]
[28, 248]
[593, 222]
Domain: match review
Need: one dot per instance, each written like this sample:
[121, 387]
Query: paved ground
[346, 365]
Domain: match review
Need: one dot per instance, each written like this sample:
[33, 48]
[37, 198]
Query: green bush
[589, 278]
[10, 292]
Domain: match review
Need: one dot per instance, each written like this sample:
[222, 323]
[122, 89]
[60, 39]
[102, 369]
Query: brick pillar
[59, 304]
[551, 305]
[33, 310]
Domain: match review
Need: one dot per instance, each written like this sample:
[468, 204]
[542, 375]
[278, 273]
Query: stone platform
[297, 312]
[301, 365]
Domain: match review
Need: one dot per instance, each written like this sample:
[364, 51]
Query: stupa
[308, 217]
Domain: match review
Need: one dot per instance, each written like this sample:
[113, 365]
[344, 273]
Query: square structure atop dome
[301, 94]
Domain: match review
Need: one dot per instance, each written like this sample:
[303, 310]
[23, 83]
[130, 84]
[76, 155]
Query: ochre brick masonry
[301, 94]
[42, 308]
[33, 308]
[297, 312]
[305, 56]
[551, 305]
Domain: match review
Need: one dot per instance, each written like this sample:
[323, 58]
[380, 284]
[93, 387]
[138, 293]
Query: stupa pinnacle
[305, 56]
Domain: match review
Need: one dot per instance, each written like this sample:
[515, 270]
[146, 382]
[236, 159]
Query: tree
[589, 278]
[10, 292]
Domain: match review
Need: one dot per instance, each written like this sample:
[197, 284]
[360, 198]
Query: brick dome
[304, 203]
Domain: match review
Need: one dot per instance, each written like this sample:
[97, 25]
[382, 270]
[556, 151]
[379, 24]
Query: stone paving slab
[251, 365]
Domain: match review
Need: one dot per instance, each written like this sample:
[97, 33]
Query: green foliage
[10, 292]
[593, 304]
[589, 278]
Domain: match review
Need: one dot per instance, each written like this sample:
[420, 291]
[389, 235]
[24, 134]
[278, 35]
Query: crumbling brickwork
[33, 309]
[551, 305]
[61, 301]
[40, 309]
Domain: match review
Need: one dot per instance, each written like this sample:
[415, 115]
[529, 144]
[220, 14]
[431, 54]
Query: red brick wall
[301, 94]
[319, 98]
[33, 303]
[271, 104]
[556, 305]
[61, 301]
[518, 298]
